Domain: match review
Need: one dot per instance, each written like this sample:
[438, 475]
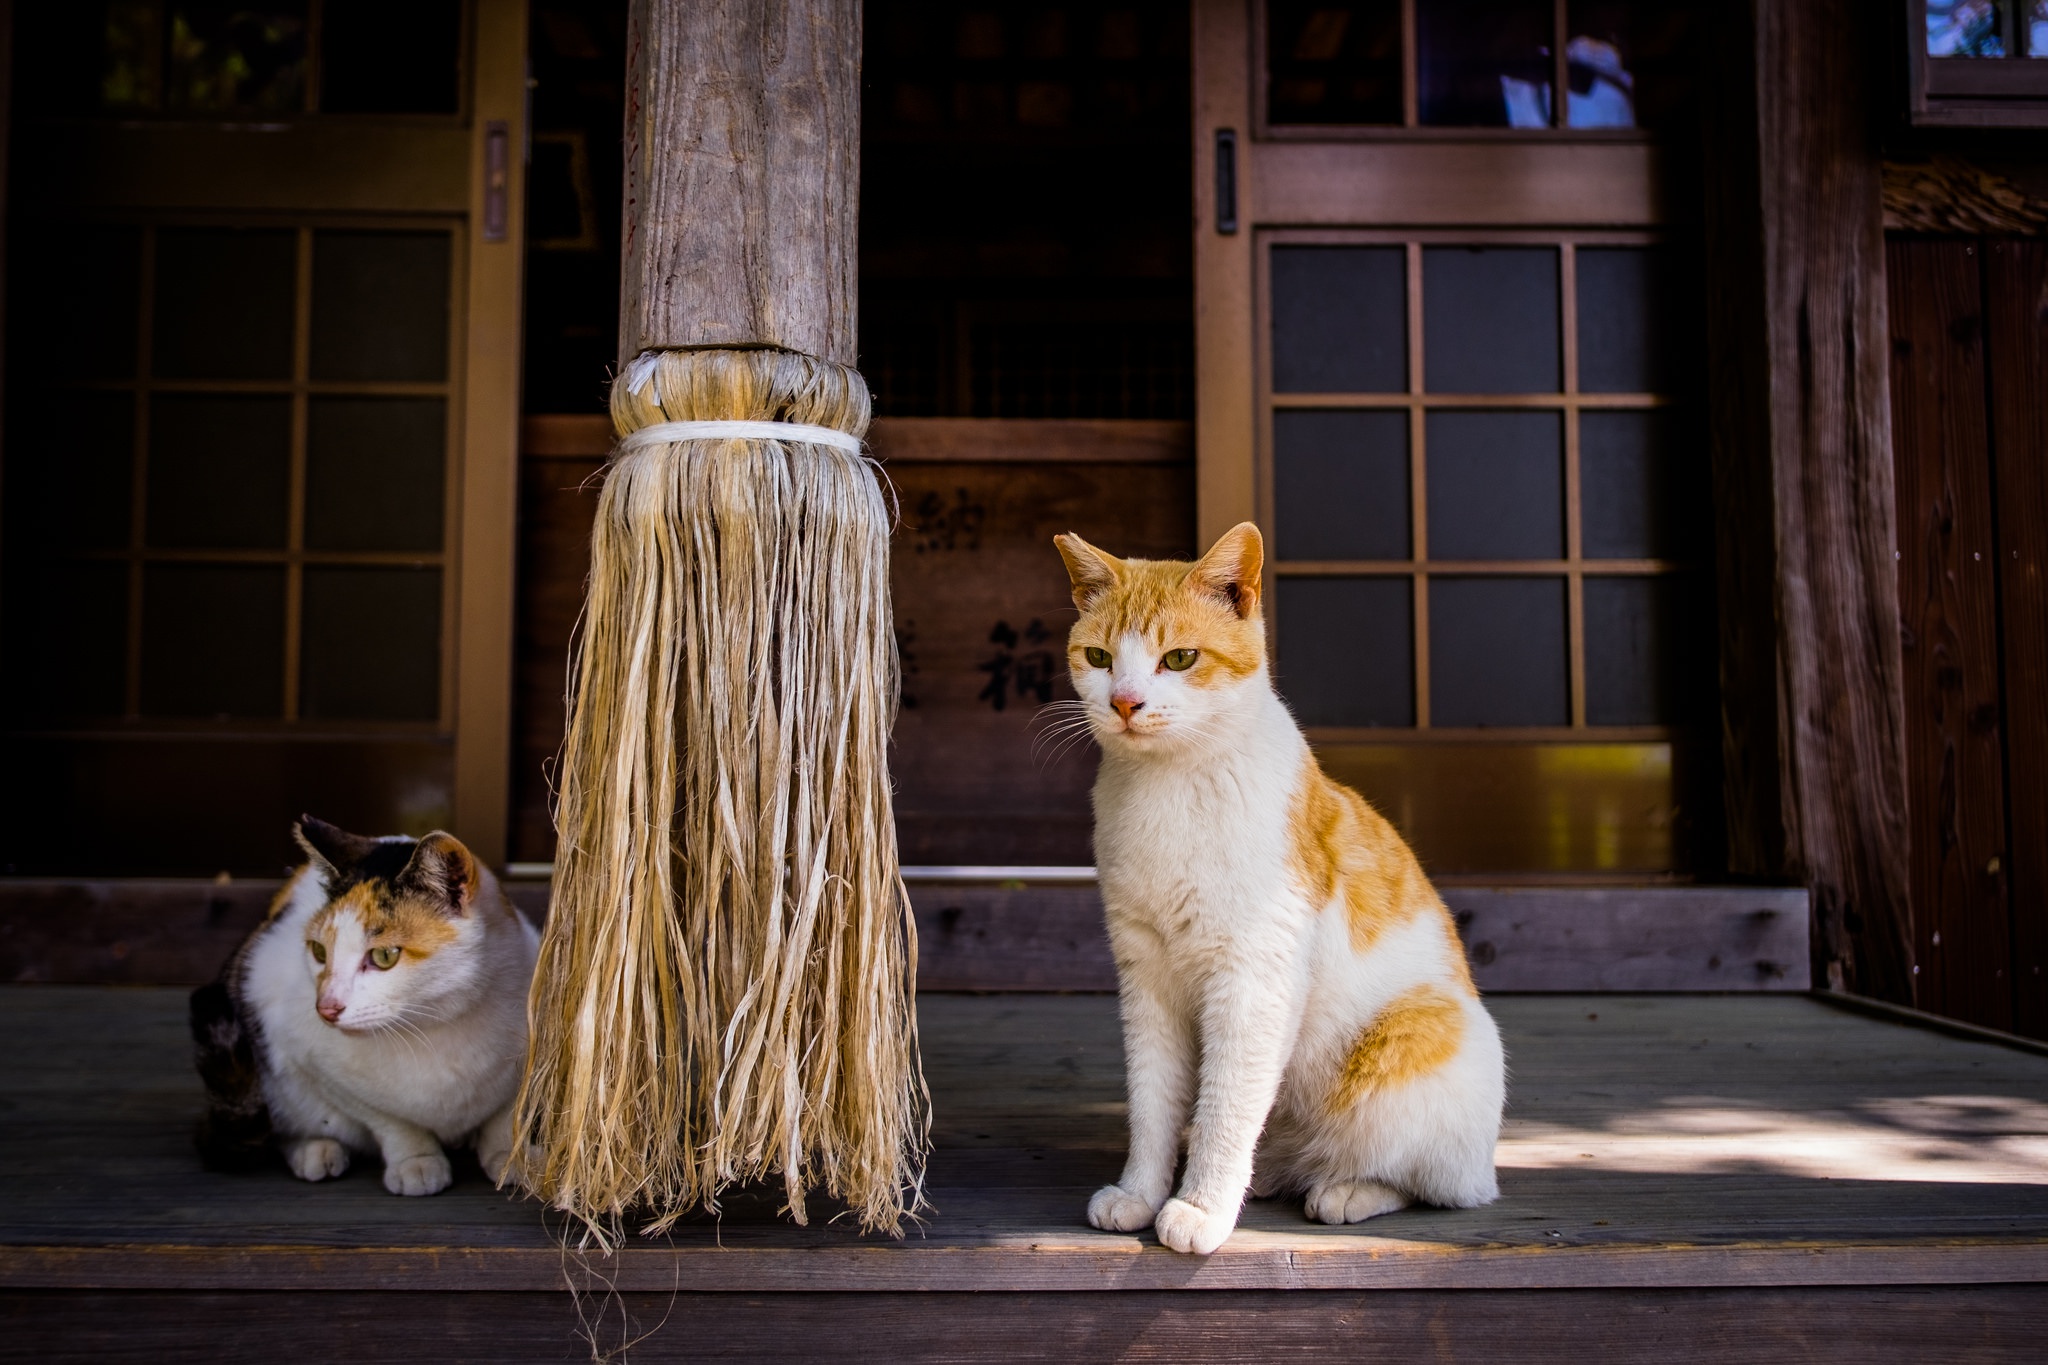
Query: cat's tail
[235, 1133]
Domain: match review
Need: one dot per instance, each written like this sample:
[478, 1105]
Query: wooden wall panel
[2016, 295]
[1948, 628]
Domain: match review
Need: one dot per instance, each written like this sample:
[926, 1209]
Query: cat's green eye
[1180, 660]
[318, 950]
[1097, 656]
[384, 959]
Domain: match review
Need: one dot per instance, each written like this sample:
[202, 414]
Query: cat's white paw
[1352, 1201]
[1115, 1209]
[1185, 1228]
[427, 1174]
[317, 1158]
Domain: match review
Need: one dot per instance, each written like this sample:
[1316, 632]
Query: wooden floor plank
[1651, 1141]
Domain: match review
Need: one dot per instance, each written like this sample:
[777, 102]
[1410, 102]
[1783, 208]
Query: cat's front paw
[317, 1158]
[1185, 1228]
[427, 1174]
[1115, 1209]
[1352, 1201]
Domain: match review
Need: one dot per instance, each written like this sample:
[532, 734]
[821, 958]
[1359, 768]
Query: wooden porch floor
[1767, 1175]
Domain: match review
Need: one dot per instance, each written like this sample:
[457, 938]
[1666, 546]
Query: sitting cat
[1284, 964]
[381, 1007]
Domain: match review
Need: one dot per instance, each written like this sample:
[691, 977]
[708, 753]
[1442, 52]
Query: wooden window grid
[294, 557]
[1418, 402]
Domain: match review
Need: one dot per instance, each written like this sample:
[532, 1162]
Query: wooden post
[742, 176]
[1813, 712]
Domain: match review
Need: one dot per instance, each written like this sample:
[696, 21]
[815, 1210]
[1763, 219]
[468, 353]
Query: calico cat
[1284, 965]
[380, 1007]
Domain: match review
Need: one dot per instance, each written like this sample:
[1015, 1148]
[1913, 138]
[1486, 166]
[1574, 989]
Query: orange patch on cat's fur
[389, 918]
[1342, 842]
[1413, 1036]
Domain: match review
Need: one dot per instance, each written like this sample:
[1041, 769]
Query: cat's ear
[1231, 569]
[441, 871]
[331, 848]
[1093, 572]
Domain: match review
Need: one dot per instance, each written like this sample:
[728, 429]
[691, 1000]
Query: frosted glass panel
[224, 300]
[1625, 485]
[1490, 319]
[1496, 485]
[1623, 345]
[1630, 624]
[1485, 63]
[1340, 485]
[1340, 319]
[374, 473]
[1497, 652]
[213, 640]
[219, 471]
[372, 644]
[66, 628]
[1348, 657]
[380, 305]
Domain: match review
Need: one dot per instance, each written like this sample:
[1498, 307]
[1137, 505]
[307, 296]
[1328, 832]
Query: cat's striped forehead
[385, 915]
[1155, 600]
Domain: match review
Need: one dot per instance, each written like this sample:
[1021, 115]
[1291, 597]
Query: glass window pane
[67, 636]
[1333, 63]
[1630, 628]
[1340, 485]
[1340, 319]
[1966, 28]
[380, 305]
[1497, 652]
[1625, 485]
[390, 57]
[224, 303]
[73, 296]
[372, 644]
[1347, 652]
[228, 56]
[1630, 65]
[219, 471]
[1623, 341]
[1496, 485]
[374, 473]
[70, 469]
[1489, 319]
[213, 640]
[1485, 63]
[2037, 29]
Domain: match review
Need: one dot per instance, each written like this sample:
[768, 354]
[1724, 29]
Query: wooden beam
[1812, 708]
[742, 176]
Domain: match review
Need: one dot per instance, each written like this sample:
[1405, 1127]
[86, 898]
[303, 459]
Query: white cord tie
[667, 433]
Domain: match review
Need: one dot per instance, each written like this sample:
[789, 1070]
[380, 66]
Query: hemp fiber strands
[725, 987]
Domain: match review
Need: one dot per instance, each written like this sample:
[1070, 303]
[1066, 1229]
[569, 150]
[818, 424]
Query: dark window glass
[1340, 319]
[1497, 652]
[73, 298]
[1349, 652]
[372, 644]
[390, 57]
[1485, 63]
[70, 480]
[1966, 28]
[231, 57]
[1630, 631]
[224, 303]
[1623, 347]
[67, 638]
[1625, 485]
[1496, 485]
[1630, 64]
[213, 640]
[219, 471]
[380, 305]
[1340, 485]
[1333, 63]
[1490, 319]
[374, 473]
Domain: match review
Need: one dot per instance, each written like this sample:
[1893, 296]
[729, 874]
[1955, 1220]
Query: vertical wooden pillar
[1813, 720]
[742, 205]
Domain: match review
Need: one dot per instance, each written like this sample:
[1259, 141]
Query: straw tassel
[725, 989]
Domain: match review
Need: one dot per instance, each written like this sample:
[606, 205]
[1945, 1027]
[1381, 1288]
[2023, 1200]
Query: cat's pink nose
[330, 1010]
[1125, 706]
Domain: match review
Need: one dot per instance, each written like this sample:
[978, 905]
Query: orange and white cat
[1286, 969]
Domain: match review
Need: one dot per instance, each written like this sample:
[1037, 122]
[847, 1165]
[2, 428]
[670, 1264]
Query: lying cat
[1284, 964]
[381, 1007]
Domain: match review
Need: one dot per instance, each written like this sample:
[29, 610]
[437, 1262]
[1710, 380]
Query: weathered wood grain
[1946, 194]
[1948, 629]
[1664, 938]
[742, 156]
[1812, 701]
[2016, 299]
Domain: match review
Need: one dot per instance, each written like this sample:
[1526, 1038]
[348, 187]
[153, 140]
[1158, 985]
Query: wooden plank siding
[1948, 609]
[2016, 299]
